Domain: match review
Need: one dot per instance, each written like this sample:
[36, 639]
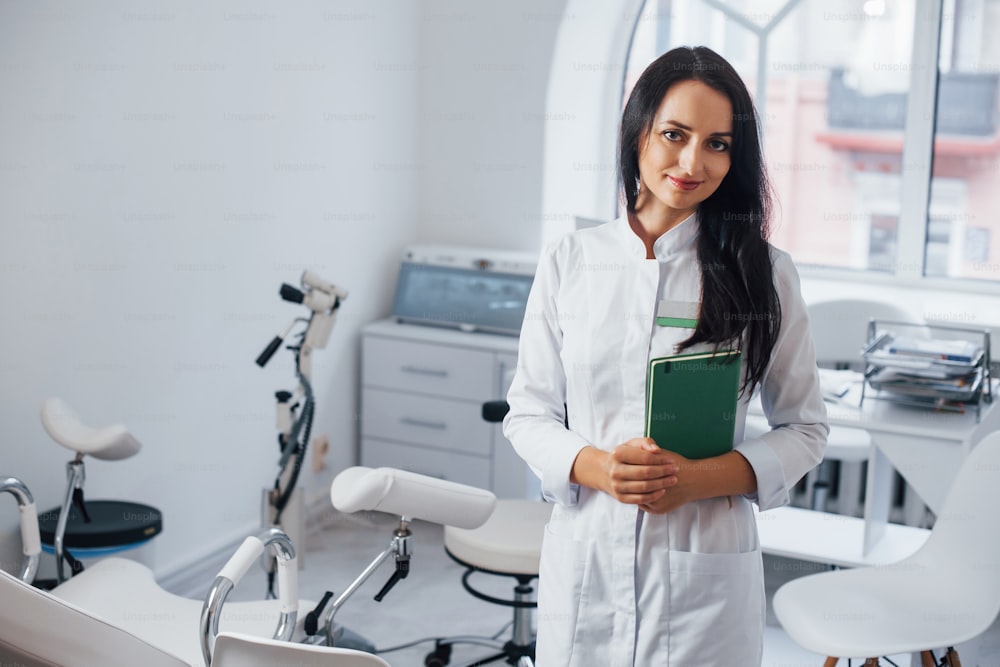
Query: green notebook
[691, 402]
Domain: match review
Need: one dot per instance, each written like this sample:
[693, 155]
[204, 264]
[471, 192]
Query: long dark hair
[738, 297]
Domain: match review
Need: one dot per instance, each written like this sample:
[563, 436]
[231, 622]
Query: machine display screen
[461, 298]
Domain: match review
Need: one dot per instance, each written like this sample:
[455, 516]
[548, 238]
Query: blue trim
[95, 552]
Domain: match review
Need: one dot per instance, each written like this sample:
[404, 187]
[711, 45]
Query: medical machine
[464, 288]
[295, 409]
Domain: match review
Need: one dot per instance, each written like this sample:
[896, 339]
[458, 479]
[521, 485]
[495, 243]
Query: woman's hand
[727, 475]
[636, 472]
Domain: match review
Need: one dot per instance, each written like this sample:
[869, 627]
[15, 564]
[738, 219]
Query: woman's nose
[689, 159]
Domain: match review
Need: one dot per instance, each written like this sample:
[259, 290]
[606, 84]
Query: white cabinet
[421, 405]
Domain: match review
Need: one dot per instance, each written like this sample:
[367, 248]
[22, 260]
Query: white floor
[432, 603]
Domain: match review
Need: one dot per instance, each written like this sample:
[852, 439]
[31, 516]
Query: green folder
[691, 402]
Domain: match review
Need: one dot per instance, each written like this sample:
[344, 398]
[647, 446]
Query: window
[869, 173]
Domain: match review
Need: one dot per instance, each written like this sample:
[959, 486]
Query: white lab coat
[618, 586]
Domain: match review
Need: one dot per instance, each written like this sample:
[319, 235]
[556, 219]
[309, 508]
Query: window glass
[962, 223]
[830, 82]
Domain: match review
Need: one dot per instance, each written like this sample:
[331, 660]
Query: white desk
[926, 447]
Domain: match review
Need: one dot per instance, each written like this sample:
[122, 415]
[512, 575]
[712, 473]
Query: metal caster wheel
[439, 657]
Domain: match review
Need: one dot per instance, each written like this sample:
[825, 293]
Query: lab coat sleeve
[535, 424]
[791, 399]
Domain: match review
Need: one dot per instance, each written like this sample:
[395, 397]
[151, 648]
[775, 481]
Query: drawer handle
[410, 421]
[426, 371]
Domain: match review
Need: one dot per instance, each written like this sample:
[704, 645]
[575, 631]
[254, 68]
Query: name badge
[679, 314]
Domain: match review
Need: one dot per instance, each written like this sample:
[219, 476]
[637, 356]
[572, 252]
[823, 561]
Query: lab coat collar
[667, 246]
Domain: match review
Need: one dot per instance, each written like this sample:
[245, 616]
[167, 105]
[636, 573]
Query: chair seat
[125, 592]
[876, 611]
[510, 542]
[38, 628]
[240, 650]
[109, 443]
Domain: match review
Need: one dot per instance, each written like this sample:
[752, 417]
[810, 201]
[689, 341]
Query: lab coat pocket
[716, 613]
[561, 577]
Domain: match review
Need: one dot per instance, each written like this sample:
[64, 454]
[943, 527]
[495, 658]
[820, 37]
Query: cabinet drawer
[426, 420]
[428, 369]
[462, 468]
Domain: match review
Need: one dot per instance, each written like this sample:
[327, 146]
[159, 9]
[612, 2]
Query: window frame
[612, 30]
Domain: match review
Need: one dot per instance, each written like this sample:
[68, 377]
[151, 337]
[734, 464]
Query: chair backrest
[39, 630]
[963, 551]
[239, 650]
[839, 327]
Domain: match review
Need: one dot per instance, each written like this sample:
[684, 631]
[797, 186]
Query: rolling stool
[508, 544]
[97, 527]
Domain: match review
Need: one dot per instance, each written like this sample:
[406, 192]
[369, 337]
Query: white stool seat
[125, 592]
[510, 542]
[108, 443]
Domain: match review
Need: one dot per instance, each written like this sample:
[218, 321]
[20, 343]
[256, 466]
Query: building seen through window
[832, 83]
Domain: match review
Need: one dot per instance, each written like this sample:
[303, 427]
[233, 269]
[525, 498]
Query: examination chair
[114, 614]
[946, 593]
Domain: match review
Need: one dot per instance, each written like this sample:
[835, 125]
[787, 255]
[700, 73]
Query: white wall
[484, 72]
[165, 166]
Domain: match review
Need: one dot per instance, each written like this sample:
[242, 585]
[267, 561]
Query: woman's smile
[682, 183]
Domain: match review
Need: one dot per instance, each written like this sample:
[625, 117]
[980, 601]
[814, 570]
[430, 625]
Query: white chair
[946, 593]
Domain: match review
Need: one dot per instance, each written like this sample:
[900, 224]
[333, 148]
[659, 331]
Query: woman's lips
[683, 184]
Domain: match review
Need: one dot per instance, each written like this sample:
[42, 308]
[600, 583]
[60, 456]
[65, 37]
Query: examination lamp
[295, 409]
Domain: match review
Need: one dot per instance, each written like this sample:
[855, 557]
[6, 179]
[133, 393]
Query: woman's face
[687, 152]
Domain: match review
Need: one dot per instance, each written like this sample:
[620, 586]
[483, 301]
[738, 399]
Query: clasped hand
[639, 473]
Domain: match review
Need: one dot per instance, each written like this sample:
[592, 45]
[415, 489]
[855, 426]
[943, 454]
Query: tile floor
[431, 601]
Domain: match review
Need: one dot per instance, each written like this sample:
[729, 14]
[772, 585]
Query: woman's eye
[719, 146]
[672, 135]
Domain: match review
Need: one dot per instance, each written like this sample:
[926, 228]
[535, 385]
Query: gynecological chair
[114, 614]
[946, 593]
[116, 605]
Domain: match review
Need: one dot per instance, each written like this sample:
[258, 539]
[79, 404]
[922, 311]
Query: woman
[659, 551]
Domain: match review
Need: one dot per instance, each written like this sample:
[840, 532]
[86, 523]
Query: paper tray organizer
[940, 367]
